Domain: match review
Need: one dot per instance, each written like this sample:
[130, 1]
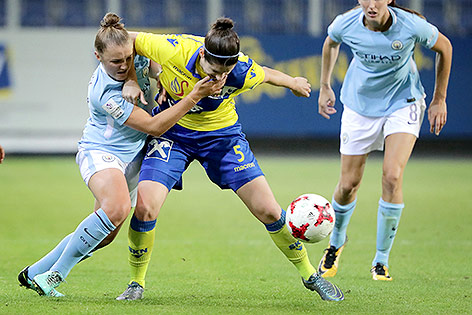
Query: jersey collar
[192, 64]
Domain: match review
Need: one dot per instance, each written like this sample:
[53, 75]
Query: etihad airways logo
[374, 58]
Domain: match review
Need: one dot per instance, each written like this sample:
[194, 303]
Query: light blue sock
[343, 215]
[388, 217]
[47, 261]
[85, 238]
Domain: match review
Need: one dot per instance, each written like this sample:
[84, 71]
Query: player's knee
[146, 210]
[117, 212]
[348, 188]
[268, 213]
[391, 180]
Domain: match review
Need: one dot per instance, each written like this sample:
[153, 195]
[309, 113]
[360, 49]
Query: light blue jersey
[382, 76]
[105, 129]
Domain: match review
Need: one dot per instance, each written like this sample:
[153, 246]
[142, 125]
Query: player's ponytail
[111, 32]
[393, 4]
[222, 43]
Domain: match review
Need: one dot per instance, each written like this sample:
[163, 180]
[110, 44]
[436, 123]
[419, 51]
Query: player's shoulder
[184, 41]
[408, 19]
[345, 22]
[103, 87]
[242, 66]
[348, 18]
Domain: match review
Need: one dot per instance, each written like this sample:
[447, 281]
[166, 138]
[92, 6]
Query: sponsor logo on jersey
[373, 58]
[159, 148]
[181, 72]
[178, 87]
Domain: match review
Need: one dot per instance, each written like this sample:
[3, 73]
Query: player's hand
[209, 87]
[162, 93]
[131, 92]
[2, 154]
[302, 87]
[437, 116]
[326, 102]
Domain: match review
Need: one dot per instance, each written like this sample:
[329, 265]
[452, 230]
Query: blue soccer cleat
[326, 290]
[46, 283]
[28, 284]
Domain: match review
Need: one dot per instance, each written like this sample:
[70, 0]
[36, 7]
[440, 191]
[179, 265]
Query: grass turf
[212, 257]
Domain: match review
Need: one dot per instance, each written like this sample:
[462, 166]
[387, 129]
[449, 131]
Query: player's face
[117, 60]
[215, 71]
[375, 11]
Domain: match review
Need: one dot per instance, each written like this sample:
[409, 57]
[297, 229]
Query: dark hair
[393, 4]
[111, 31]
[222, 43]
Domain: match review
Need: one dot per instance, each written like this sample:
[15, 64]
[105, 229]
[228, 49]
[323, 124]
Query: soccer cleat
[328, 266]
[28, 284]
[46, 283]
[326, 290]
[134, 291]
[380, 272]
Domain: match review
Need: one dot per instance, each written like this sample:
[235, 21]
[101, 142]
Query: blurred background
[46, 60]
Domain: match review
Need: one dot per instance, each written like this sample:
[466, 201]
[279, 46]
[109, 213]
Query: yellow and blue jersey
[178, 56]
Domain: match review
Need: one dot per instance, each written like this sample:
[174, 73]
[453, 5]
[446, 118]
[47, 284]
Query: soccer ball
[310, 218]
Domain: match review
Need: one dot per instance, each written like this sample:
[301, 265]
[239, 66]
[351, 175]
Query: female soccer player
[110, 150]
[384, 104]
[211, 134]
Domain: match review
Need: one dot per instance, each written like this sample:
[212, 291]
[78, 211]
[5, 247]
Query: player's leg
[160, 171]
[401, 131]
[259, 199]
[398, 148]
[141, 234]
[93, 229]
[344, 203]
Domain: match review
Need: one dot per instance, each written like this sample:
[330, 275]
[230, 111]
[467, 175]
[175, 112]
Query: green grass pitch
[212, 257]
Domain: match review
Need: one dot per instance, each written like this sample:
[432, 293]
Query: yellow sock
[140, 243]
[294, 250]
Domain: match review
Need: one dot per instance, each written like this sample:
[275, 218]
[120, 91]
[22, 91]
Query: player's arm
[327, 98]
[2, 154]
[437, 111]
[131, 91]
[160, 123]
[298, 85]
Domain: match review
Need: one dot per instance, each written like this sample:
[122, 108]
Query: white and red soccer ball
[310, 218]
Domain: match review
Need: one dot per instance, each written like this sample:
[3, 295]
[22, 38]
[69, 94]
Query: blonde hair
[111, 32]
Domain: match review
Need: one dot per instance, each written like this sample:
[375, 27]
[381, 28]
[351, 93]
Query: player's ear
[201, 52]
[97, 55]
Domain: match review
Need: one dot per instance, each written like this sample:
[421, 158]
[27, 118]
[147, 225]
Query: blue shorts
[224, 154]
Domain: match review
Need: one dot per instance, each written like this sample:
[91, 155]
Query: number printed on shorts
[238, 152]
[413, 112]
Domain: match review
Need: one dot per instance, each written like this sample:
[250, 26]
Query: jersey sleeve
[426, 33]
[335, 29]
[157, 47]
[116, 107]
[254, 77]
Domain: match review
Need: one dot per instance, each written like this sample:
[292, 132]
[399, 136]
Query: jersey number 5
[238, 152]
